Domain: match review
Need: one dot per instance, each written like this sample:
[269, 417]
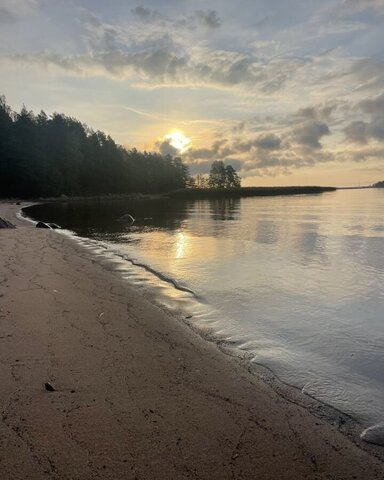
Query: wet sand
[139, 395]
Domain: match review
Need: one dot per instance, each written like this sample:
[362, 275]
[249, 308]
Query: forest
[56, 155]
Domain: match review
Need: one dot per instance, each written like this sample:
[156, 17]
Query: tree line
[221, 176]
[50, 156]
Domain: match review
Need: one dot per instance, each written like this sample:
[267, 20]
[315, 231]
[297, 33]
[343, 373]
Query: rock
[374, 434]
[5, 224]
[49, 387]
[42, 225]
[126, 218]
[54, 225]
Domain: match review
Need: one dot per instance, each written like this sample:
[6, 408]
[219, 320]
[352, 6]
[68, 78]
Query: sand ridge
[138, 394]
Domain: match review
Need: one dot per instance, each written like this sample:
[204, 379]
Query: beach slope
[138, 395]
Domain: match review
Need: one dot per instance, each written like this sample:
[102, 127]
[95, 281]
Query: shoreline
[188, 194]
[145, 387]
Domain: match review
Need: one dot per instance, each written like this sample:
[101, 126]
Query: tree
[191, 182]
[217, 175]
[232, 180]
[201, 181]
[222, 176]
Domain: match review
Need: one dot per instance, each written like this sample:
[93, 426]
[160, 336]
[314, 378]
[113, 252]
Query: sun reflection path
[180, 245]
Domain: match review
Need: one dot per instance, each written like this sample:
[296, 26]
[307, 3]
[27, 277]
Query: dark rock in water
[49, 387]
[126, 218]
[5, 224]
[42, 225]
[54, 225]
[18, 203]
[374, 434]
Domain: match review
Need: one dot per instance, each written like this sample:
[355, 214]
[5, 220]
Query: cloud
[375, 129]
[164, 54]
[369, 72]
[373, 106]
[283, 162]
[202, 154]
[199, 18]
[13, 10]
[170, 65]
[165, 148]
[309, 133]
[268, 141]
[178, 48]
[146, 14]
[208, 18]
[142, 12]
[279, 149]
[361, 131]
[321, 112]
[357, 132]
[350, 7]
[264, 141]
[363, 153]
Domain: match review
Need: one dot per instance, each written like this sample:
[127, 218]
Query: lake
[296, 281]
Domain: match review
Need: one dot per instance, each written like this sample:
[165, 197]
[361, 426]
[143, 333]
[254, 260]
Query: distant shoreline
[248, 192]
[191, 193]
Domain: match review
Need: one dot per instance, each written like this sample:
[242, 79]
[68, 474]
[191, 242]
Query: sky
[288, 92]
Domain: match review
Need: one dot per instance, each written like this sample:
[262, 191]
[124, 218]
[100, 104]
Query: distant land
[248, 191]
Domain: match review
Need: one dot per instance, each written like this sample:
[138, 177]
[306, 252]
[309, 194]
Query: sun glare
[178, 140]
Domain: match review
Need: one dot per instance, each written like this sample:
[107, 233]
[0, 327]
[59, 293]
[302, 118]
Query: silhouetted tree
[201, 181]
[217, 175]
[232, 180]
[221, 176]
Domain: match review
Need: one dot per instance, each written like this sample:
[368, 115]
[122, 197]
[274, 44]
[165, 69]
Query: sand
[139, 395]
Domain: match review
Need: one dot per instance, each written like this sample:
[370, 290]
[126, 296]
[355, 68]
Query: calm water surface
[298, 281]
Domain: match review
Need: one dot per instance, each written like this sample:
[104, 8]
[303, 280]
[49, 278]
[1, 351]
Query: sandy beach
[138, 394]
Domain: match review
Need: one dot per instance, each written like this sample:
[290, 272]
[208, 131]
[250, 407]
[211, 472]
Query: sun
[178, 140]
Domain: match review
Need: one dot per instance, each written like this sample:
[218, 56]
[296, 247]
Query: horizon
[288, 94]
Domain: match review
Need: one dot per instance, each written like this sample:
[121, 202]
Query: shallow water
[297, 281]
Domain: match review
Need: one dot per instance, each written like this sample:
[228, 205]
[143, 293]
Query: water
[296, 281]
